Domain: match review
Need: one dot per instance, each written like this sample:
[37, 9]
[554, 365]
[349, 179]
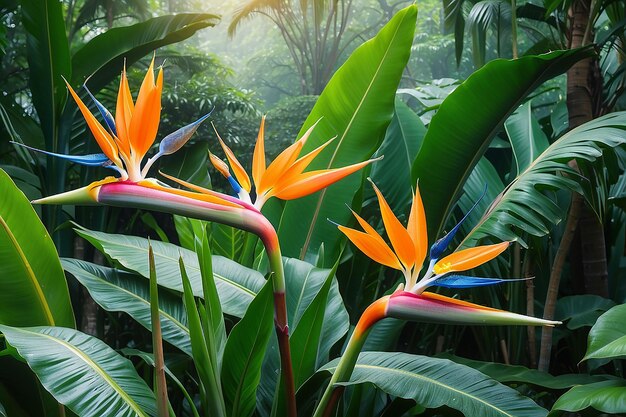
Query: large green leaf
[607, 338]
[402, 142]
[236, 284]
[33, 290]
[527, 139]
[356, 106]
[244, 352]
[469, 118]
[520, 374]
[48, 61]
[82, 372]
[581, 310]
[433, 383]
[523, 207]
[607, 397]
[103, 56]
[117, 290]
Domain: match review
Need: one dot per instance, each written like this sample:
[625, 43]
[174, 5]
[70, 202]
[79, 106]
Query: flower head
[284, 177]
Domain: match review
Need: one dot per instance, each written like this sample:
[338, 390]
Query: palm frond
[247, 10]
[525, 207]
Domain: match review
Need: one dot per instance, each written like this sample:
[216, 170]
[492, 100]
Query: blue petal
[174, 141]
[462, 281]
[437, 249]
[92, 160]
[106, 115]
[233, 183]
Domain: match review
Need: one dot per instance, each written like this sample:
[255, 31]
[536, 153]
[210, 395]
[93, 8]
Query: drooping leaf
[606, 397]
[244, 353]
[116, 290]
[433, 383]
[356, 106]
[236, 285]
[581, 310]
[102, 58]
[523, 206]
[469, 118]
[33, 290]
[82, 372]
[607, 338]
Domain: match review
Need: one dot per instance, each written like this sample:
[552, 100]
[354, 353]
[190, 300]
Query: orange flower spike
[123, 115]
[469, 258]
[373, 246]
[240, 173]
[145, 121]
[313, 181]
[398, 235]
[104, 139]
[416, 227]
[258, 157]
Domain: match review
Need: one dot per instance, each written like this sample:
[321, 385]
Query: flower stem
[375, 312]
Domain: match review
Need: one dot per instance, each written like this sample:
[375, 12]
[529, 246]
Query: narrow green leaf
[213, 399]
[116, 290]
[157, 342]
[244, 353]
[433, 383]
[236, 285]
[467, 121]
[82, 372]
[606, 397]
[33, 290]
[305, 339]
[356, 106]
[607, 338]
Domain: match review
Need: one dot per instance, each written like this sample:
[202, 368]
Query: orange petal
[240, 173]
[123, 114]
[258, 158]
[374, 248]
[145, 121]
[276, 170]
[417, 228]
[398, 235]
[219, 165]
[300, 165]
[104, 139]
[313, 181]
[469, 258]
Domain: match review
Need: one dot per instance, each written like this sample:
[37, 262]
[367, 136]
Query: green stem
[281, 325]
[332, 394]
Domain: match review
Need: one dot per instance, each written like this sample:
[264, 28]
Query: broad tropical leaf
[356, 106]
[523, 207]
[469, 118]
[244, 352]
[48, 61]
[520, 374]
[82, 372]
[116, 290]
[402, 142]
[33, 290]
[581, 310]
[527, 139]
[433, 383]
[102, 57]
[607, 338]
[606, 397]
[236, 284]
